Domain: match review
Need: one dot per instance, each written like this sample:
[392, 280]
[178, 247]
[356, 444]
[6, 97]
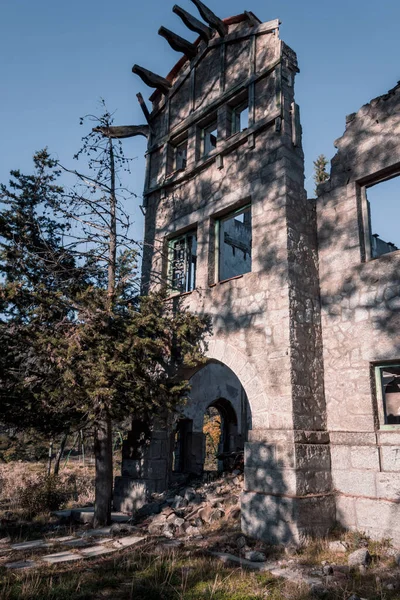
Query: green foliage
[320, 173]
[67, 360]
[43, 495]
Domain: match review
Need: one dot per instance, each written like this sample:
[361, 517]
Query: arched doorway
[212, 428]
[222, 442]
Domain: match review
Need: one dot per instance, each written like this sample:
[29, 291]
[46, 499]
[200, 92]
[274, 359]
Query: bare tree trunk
[103, 441]
[60, 454]
[104, 474]
[50, 458]
[112, 248]
[82, 447]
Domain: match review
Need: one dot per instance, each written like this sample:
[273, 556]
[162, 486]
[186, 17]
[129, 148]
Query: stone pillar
[145, 466]
[287, 486]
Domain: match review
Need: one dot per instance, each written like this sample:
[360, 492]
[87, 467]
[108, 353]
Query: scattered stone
[180, 502]
[255, 556]
[60, 557]
[241, 542]
[31, 545]
[192, 531]
[118, 528]
[190, 494]
[360, 557]
[103, 531]
[83, 515]
[337, 546]
[397, 559]
[130, 540]
[96, 551]
[154, 528]
[5, 540]
[354, 597]
[153, 508]
[390, 586]
[61, 540]
[79, 543]
[327, 570]
[318, 590]
[21, 564]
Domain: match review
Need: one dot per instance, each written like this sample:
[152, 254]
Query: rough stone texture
[360, 322]
[294, 340]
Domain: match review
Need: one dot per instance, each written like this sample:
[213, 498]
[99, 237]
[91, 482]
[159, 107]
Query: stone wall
[269, 316]
[360, 321]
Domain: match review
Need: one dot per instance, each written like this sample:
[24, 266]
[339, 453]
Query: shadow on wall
[265, 509]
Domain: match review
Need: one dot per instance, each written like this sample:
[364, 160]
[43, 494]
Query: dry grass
[77, 480]
[189, 573]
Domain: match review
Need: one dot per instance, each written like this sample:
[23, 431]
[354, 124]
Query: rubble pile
[187, 511]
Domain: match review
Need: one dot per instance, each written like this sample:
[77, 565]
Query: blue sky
[58, 58]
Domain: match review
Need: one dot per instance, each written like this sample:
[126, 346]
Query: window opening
[209, 135]
[234, 244]
[383, 202]
[240, 118]
[182, 446]
[181, 156]
[212, 430]
[182, 262]
[388, 391]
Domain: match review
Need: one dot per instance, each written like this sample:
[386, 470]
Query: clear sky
[58, 58]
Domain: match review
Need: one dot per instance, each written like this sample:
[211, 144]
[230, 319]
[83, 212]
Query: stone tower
[229, 226]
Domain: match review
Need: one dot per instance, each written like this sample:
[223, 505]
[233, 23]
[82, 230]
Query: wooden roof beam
[193, 24]
[124, 131]
[211, 18]
[178, 43]
[152, 80]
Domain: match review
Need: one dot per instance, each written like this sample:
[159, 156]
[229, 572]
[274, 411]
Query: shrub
[45, 494]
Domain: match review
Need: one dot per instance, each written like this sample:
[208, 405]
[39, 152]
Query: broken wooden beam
[178, 43]
[254, 21]
[144, 108]
[210, 18]
[193, 24]
[152, 80]
[124, 131]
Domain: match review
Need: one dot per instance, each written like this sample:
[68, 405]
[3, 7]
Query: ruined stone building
[304, 359]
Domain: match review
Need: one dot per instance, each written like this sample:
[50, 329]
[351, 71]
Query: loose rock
[255, 556]
[360, 557]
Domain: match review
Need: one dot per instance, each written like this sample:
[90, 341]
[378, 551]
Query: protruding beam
[124, 131]
[212, 19]
[152, 80]
[193, 24]
[143, 107]
[178, 43]
[254, 21]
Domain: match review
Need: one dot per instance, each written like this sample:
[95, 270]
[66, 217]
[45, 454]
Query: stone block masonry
[306, 322]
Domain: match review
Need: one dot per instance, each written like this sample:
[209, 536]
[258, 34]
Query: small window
[388, 392]
[383, 208]
[234, 244]
[209, 138]
[181, 156]
[182, 262]
[240, 118]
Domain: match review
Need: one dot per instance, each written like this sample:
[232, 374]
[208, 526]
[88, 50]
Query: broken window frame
[188, 260]
[173, 164]
[177, 165]
[381, 402]
[217, 234]
[207, 130]
[367, 243]
[237, 112]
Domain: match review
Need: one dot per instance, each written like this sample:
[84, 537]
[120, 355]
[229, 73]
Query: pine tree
[80, 346]
[320, 173]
